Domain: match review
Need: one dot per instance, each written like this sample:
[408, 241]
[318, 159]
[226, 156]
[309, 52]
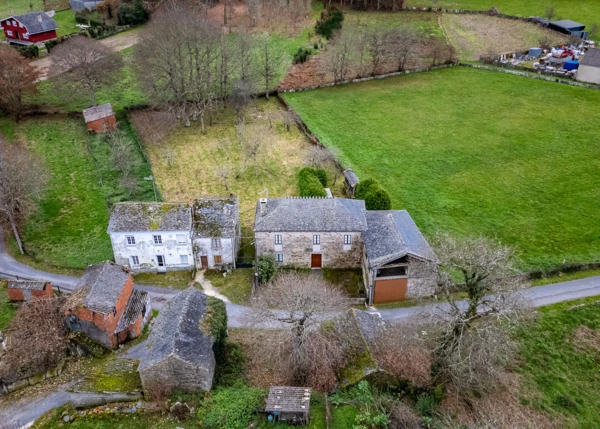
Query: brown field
[186, 164]
[477, 35]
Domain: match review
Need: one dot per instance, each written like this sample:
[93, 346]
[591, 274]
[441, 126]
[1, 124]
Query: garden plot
[475, 36]
[474, 152]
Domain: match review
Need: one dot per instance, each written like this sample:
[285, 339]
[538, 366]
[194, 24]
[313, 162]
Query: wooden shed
[25, 290]
[100, 119]
[289, 404]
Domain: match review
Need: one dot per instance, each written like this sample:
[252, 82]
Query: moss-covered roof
[215, 217]
[138, 217]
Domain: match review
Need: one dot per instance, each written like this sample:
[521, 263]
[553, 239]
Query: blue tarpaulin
[571, 65]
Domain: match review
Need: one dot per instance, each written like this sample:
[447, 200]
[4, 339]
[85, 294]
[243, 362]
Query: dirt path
[118, 43]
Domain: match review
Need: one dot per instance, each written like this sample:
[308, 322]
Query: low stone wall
[531, 76]
[32, 381]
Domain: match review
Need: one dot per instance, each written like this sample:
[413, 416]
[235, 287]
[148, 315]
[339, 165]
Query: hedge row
[376, 198]
[311, 182]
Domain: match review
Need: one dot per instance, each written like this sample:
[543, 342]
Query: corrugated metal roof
[288, 399]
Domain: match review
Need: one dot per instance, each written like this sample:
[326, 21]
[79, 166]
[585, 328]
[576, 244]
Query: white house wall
[145, 249]
[227, 251]
[588, 74]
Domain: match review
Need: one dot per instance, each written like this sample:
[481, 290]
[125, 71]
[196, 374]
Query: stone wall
[32, 381]
[297, 248]
[173, 374]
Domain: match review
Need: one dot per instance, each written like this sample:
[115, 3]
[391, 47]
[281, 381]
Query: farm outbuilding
[589, 67]
[100, 119]
[25, 290]
[351, 181]
[569, 27]
[289, 404]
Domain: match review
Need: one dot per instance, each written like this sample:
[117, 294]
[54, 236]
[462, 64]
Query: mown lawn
[69, 229]
[237, 286]
[7, 309]
[584, 11]
[561, 354]
[475, 152]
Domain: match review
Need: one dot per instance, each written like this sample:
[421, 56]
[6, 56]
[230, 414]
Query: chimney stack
[262, 206]
[40, 17]
[231, 199]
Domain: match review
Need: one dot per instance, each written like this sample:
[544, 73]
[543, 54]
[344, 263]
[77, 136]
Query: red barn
[29, 28]
[25, 290]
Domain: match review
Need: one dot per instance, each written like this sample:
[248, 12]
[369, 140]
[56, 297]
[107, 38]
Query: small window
[279, 257]
[114, 311]
[181, 238]
[157, 239]
[25, 36]
[277, 239]
[135, 260]
[183, 259]
[217, 259]
[130, 240]
[316, 239]
[9, 33]
[347, 239]
[215, 243]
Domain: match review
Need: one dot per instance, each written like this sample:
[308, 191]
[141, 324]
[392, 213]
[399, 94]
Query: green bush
[311, 182]
[31, 51]
[133, 13]
[265, 268]
[216, 322]
[363, 188]
[232, 368]
[426, 405]
[378, 200]
[302, 55]
[331, 20]
[231, 407]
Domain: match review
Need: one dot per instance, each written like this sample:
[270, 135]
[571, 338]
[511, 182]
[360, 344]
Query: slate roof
[392, 234]
[26, 285]
[98, 112]
[137, 217]
[32, 23]
[133, 310]
[351, 177]
[177, 332]
[105, 283]
[311, 215]
[591, 58]
[567, 24]
[215, 217]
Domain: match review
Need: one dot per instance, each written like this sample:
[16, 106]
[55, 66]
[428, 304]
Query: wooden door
[392, 290]
[315, 260]
[204, 262]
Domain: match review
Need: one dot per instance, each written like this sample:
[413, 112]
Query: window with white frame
[9, 33]
[130, 240]
[347, 239]
[278, 239]
[316, 239]
[279, 257]
[181, 238]
[14, 23]
[183, 259]
[215, 243]
[157, 239]
[26, 36]
[135, 260]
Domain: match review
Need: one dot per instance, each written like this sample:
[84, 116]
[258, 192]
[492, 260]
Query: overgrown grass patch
[7, 309]
[171, 279]
[474, 152]
[236, 286]
[560, 354]
[348, 279]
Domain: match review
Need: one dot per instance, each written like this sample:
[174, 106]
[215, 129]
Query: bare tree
[378, 48]
[244, 53]
[85, 63]
[241, 96]
[223, 172]
[403, 46]
[550, 12]
[301, 301]
[153, 126]
[23, 178]
[17, 78]
[472, 341]
[36, 340]
[254, 139]
[122, 153]
[290, 118]
[339, 54]
[269, 61]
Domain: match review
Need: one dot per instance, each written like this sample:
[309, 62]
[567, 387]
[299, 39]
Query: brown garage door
[390, 290]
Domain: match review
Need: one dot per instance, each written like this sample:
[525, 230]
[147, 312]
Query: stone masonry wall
[297, 248]
[173, 374]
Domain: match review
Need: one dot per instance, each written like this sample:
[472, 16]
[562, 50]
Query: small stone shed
[100, 119]
[180, 356]
[24, 290]
[589, 67]
[289, 404]
[351, 180]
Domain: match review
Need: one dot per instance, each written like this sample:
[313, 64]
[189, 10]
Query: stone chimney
[262, 204]
[231, 199]
[40, 17]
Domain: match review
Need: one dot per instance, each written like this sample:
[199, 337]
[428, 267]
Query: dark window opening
[391, 272]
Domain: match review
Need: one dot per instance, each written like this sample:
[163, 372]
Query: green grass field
[7, 309]
[561, 357]
[475, 152]
[584, 11]
[9, 7]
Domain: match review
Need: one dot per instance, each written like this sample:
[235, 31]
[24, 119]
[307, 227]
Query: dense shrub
[133, 13]
[302, 55]
[31, 51]
[265, 268]
[232, 368]
[331, 20]
[231, 407]
[216, 322]
[376, 198]
[311, 182]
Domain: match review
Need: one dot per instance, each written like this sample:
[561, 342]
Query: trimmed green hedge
[311, 182]
[376, 198]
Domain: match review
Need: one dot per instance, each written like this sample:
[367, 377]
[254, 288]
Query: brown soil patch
[586, 339]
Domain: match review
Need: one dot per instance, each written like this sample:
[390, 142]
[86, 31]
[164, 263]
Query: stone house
[100, 119]
[160, 237]
[180, 356]
[396, 260]
[589, 67]
[25, 290]
[106, 307]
